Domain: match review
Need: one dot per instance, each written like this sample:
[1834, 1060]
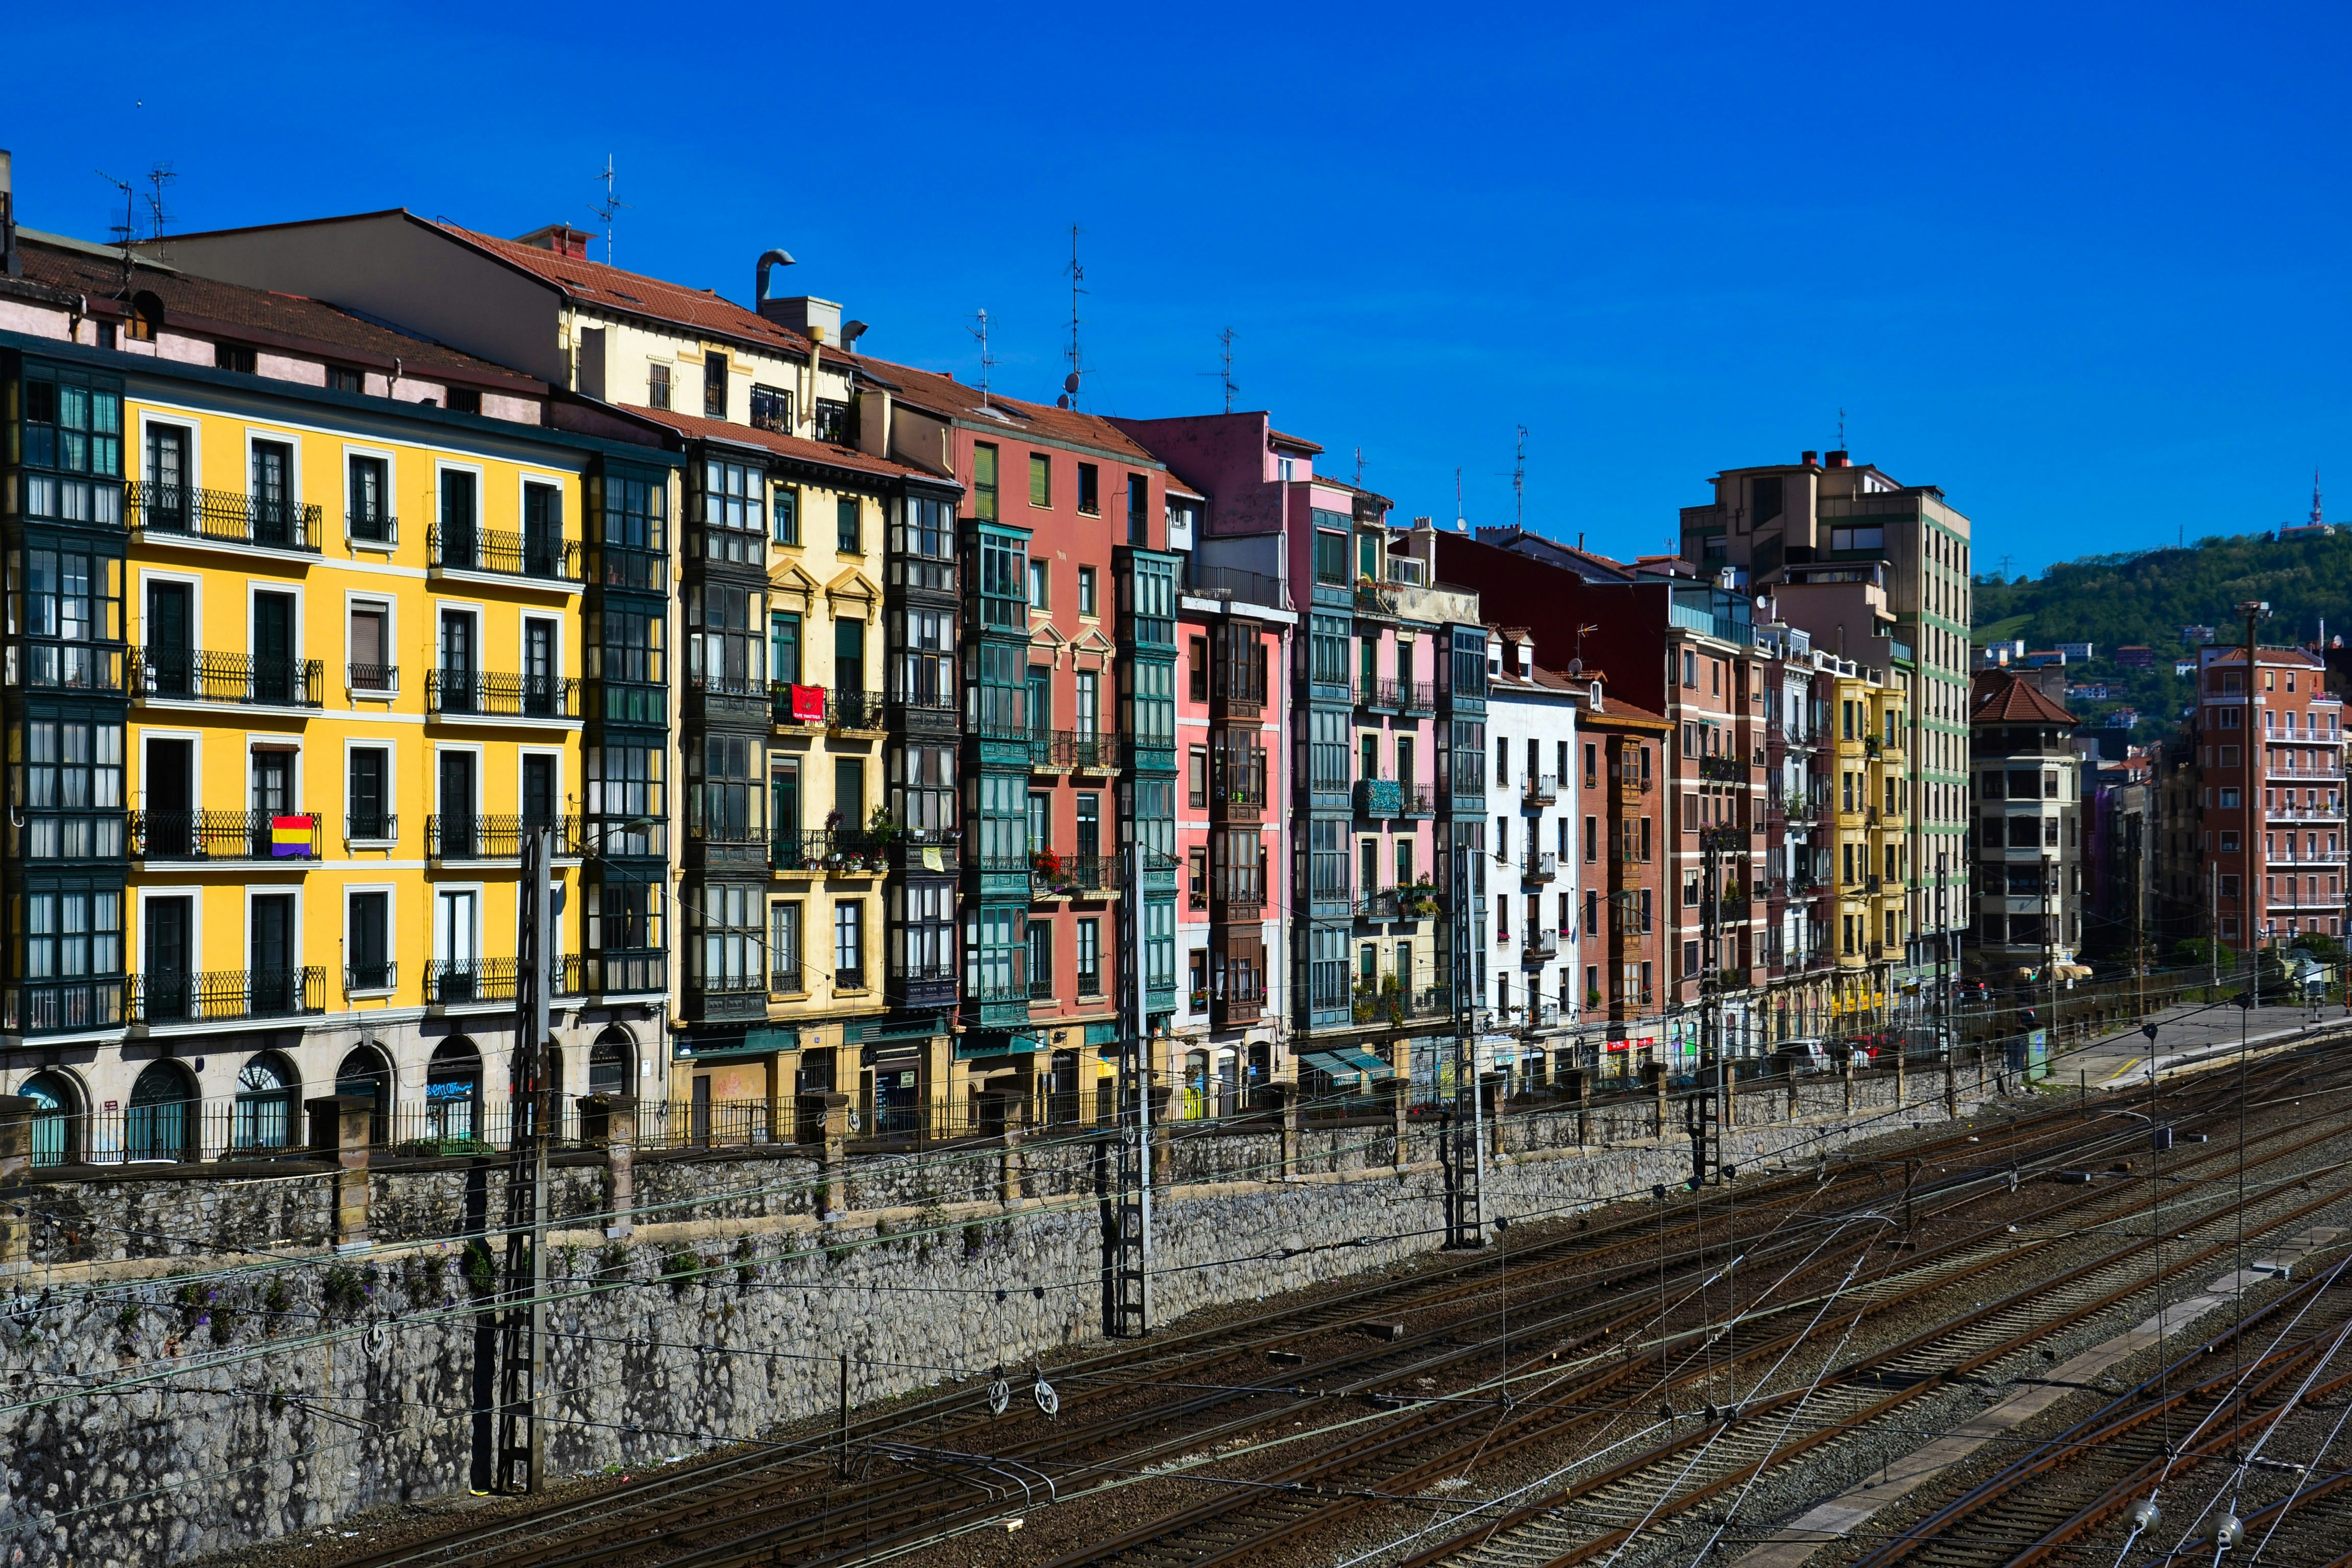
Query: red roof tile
[594, 283]
[808, 451]
[2006, 699]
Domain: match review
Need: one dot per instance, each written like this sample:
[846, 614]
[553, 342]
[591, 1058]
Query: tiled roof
[1298, 443]
[205, 307]
[808, 451]
[594, 283]
[2279, 655]
[944, 394]
[2006, 699]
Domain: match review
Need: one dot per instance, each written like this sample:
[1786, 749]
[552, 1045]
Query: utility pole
[1130, 1302]
[1942, 1014]
[2252, 908]
[522, 1440]
[1461, 1157]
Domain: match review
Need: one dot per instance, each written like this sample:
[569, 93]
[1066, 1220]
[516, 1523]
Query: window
[229, 356]
[772, 409]
[465, 400]
[369, 665]
[658, 386]
[1857, 539]
[714, 385]
[849, 944]
[343, 378]
[784, 947]
[724, 651]
[1090, 490]
[62, 602]
[1037, 600]
[367, 950]
[625, 784]
[68, 935]
[1041, 480]
[1139, 504]
[922, 792]
[733, 497]
[729, 956]
[71, 788]
[369, 500]
[925, 672]
[1331, 558]
[1086, 602]
[849, 531]
[365, 802]
[78, 428]
[983, 481]
[1197, 779]
[1090, 974]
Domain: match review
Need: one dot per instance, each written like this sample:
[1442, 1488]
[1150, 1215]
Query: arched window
[612, 1063]
[264, 1118]
[1196, 1084]
[452, 1092]
[57, 1118]
[161, 1123]
[365, 1072]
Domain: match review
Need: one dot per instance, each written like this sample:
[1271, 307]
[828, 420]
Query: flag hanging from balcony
[808, 704]
[290, 835]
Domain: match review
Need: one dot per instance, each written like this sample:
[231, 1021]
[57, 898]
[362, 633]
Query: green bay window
[67, 607]
[1330, 558]
[71, 423]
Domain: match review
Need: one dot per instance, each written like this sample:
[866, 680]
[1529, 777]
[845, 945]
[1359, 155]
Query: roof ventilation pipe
[768, 260]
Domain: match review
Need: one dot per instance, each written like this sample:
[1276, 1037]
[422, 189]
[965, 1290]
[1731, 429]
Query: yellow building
[1869, 707]
[314, 602]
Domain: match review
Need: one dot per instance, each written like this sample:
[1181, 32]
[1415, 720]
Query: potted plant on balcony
[836, 852]
[1052, 870]
[1391, 1003]
[881, 831]
[1417, 899]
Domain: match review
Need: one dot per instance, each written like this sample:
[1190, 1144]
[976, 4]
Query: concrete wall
[256, 1385]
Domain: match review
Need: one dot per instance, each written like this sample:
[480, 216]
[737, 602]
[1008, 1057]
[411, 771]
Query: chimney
[10, 263]
[819, 321]
[768, 259]
[1837, 459]
[559, 237]
[1812, 459]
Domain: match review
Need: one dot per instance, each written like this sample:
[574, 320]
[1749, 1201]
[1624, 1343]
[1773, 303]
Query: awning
[1348, 1061]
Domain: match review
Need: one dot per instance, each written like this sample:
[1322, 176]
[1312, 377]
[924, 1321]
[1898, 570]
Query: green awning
[1324, 1061]
[1364, 1062]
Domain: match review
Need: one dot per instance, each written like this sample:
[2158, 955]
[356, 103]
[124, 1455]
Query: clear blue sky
[2081, 266]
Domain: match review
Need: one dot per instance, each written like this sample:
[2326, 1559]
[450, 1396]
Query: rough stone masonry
[201, 1360]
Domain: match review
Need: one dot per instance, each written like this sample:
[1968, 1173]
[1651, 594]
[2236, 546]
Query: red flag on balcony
[808, 704]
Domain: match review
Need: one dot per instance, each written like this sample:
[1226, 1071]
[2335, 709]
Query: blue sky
[2080, 266]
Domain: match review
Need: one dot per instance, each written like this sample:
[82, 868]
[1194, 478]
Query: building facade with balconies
[1535, 910]
[2029, 834]
[290, 749]
[1868, 728]
[1620, 931]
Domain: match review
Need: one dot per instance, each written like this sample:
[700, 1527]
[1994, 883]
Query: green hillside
[2114, 601]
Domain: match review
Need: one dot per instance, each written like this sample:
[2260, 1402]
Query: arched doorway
[1196, 1084]
[452, 1092]
[57, 1118]
[263, 1119]
[612, 1063]
[161, 1123]
[365, 1072]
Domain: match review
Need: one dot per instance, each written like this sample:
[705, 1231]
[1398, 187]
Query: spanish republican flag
[290, 835]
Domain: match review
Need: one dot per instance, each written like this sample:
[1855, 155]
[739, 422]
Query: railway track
[780, 1507]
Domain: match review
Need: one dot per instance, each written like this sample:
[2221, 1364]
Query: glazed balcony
[184, 514]
[614, 973]
[1538, 790]
[1542, 867]
[195, 674]
[999, 1006]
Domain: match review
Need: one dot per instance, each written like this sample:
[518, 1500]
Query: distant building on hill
[2135, 656]
[2045, 659]
[2195, 637]
[2075, 652]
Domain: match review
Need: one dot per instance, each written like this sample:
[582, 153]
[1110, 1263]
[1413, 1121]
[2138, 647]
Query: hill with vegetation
[2148, 596]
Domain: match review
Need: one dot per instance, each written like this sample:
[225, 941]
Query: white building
[1531, 910]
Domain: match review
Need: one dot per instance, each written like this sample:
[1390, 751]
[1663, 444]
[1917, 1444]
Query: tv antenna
[610, 205]
[1360, 468]
[1078, 274]
[1225, 375]
[1460, 522]
[126, 232]
[981, 331]
[1841, 429]
[1520, 477]
[161, 175]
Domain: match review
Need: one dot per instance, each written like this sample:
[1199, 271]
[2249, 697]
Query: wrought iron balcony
[1056, 876]
[840, 853]
[227, 995]
[223, 517]
[1540, 789]
[195, 675]
[1723, 770]
[1418, 800]
[545, 557]
[617, 973]
[469, 982]
[1540, 867]
[372, 679]
[481, 694]
[367, 979]
[372, 528]
[495, 838]
[224, 836]
[371, 826]
[846, 709]
[1540, 945]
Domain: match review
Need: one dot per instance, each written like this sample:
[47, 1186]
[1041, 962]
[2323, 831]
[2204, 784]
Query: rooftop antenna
[981, 331]
[1461, 524]
[1226, 375]
[1841, 429]
[1069, 398]
[1360, 468]
[1519, 478]
[126, 233]
[159, 176]
[610, 205]
[2315, 498]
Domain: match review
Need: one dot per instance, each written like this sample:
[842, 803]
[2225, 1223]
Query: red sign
[808, 704]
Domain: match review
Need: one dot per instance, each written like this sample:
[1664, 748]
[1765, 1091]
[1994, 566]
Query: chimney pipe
[1812, 458]
[10, 263]
[768, 259]
[1838, 459]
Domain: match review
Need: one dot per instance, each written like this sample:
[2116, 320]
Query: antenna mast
[608, 206]
[1519, 478]
[1841, 429]
[1078, 275]
[159, 176]
[1226, 375]
[981, 331]
[1360, 468]
[127, 231]
[1461, 524]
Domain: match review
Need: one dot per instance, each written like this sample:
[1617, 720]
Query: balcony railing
[2286, 770]
[196, 674]
[460, 983]
[360, 978]
[1540, 789]
[853, 710]
[1418, 800]
[836, 853]
[473, 693]
[57, 1006]
[1392, 1004]
[1237, 804]
[622, 972]
[1540, 944]
[372, 528]
[225, 517]
[2321, 811]
[543, 556]
[224, 836]
[1723, 770]
[1041, 987]
[372, 679]
[371, 826]
[1542, 867]
[495, 838]
[227, 995]
[1052, 874]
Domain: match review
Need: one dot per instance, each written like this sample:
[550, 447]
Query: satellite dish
[1063, 401]
[1070, 382]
